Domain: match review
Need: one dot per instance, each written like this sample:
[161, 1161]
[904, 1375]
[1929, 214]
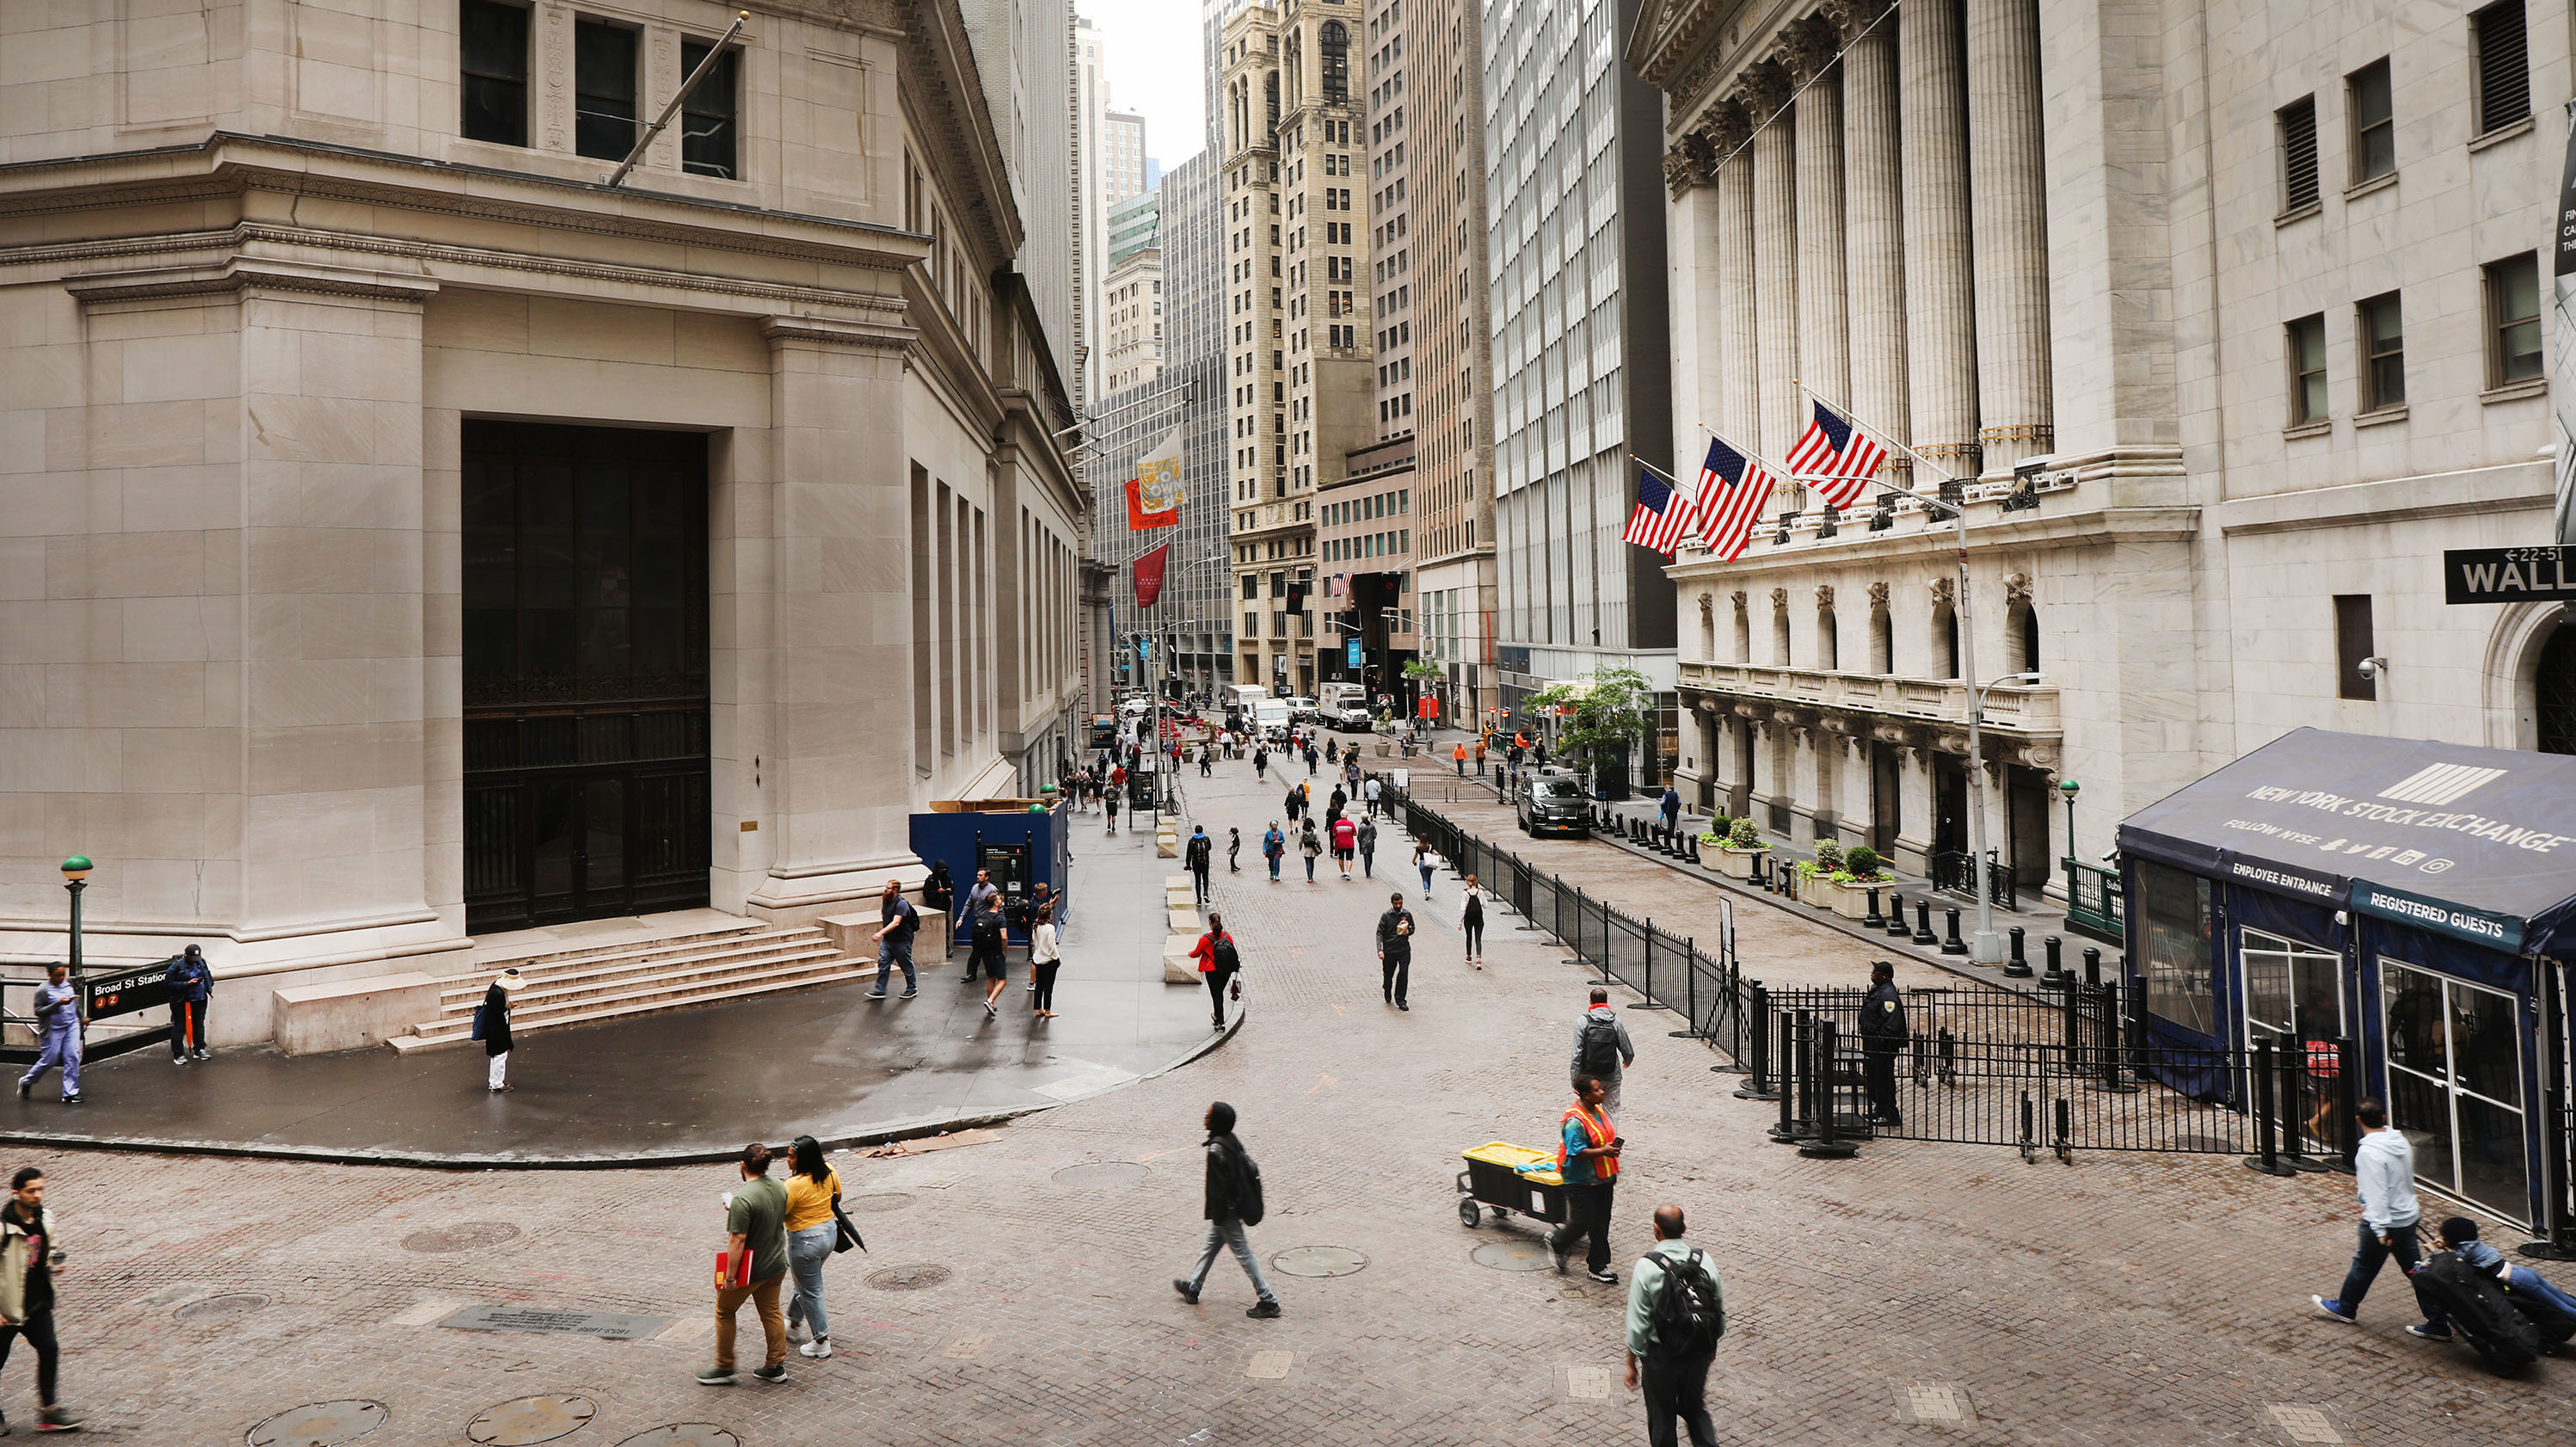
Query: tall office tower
[1453, 489]
[1390, 220]
[1122, 156]
[1194, 362]
[1090, 208]
[1581, 380]
[1132, 322]
[1135, 224]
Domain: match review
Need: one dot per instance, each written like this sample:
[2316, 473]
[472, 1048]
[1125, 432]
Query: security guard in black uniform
[1883, 1037]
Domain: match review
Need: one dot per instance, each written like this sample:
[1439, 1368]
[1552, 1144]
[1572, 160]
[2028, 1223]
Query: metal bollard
[2115, 1049]
[1823, 1145]
[2017, 964]
[1896, 924]
[2055, 978]
[1953, 945]
[1874, 920]
[1793, 1039]
[2092, 965]
[1757, 1040]
[1923, 924]
[2267, 1116]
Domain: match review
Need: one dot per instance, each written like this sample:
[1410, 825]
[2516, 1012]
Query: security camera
[2111, 855]
[2373, 667]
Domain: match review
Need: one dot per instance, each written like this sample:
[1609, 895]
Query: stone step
[467, 990]
[825, 969]
[537, 1001]
[535, 957]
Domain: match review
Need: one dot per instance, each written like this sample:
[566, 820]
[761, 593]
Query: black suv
[1554, 803]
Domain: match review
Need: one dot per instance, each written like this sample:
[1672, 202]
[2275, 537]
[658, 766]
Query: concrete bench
[849, 932]
[1178, 967]
[347, 1014]
[1187, 922]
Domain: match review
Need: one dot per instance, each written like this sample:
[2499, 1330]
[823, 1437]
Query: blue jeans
[63, 1048]
[2367, 1258]
[1229, 1232]
[1426, 881]
[1310, 869]
[2523, 1278]
[1274, 866]
[890, 953]
[807, 1250]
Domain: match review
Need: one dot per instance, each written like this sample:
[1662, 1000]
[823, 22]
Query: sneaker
[876, 994]
[2332, 1310]
[777, 1373]
[2428, 1333]
[819, 1348]
[908, 994]
[715, 1377]
[796, 1332]
[200, 1055]
[1607, 1278]
[58, 1419]
[1403, 1006]
[1187, 1293]
[989, 1012]
[72, 1099]
[178, 1059]
[1264, 1312]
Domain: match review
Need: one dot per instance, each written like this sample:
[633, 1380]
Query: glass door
[2293, 997]
[2455, 1085]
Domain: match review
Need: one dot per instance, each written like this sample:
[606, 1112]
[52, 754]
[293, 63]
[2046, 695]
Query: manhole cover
[1319, 1261]
[318, 1424]
[907, 1278]
[871, 1205]
[220, 1308]
[1512, 1256]
[529, 1420]
[467, 1236]
[1101, 1175]
[683, 1434]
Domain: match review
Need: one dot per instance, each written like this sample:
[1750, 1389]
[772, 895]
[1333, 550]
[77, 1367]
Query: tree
[1600, 715]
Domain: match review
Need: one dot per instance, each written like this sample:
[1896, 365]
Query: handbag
[478, 1023]
[844, 1235]
[1234, 988]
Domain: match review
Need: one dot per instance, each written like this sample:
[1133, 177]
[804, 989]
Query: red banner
[1149, 576]
[1140, 518]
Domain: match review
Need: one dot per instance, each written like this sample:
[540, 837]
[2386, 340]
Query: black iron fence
[2064, 1068]
[1951, 872]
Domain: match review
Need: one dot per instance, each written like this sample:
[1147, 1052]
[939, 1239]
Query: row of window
[2499, 96]
[1368, 545]
[495, 60]
[2512, 348]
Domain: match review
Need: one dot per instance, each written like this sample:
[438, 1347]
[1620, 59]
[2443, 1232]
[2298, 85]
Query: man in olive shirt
[755, 1221]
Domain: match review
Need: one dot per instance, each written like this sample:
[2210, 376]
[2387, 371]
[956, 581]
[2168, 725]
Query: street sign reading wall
[2509, 575]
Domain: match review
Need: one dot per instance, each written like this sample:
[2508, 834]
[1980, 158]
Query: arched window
[1707, 631]
[1743, 632]
[2554, 691]
[1882, 640]
[1333, 53]
[2022, 623]
[1828, 639]
[1945, 639]
[1271, 86]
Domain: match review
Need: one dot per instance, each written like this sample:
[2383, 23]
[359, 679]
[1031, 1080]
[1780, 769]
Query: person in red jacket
[1346, 840]
[1218, 960]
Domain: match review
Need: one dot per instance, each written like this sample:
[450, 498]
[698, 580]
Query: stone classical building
[2250, 331]
[409, 535]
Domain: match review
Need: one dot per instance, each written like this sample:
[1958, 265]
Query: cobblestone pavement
[1917, 1294]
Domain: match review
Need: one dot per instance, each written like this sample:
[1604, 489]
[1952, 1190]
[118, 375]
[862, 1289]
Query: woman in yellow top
[813, 1189]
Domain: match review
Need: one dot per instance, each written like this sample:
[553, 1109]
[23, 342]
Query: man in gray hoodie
[1601, 1047]
[2383, 1170]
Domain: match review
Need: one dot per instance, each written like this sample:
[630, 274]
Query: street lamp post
[2067, 789]
[75, 880]
[1988, 947]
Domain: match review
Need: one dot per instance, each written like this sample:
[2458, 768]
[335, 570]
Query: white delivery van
[1270, 718]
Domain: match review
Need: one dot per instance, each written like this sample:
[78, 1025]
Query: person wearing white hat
[496, 1024]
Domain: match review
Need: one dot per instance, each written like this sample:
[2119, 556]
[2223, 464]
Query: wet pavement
[693, 1084]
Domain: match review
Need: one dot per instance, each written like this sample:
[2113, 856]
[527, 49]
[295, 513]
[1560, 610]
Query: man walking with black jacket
[1233, 1202]
[191, 983]
[1395, 949]
[1200, 855]
[1882, 1039]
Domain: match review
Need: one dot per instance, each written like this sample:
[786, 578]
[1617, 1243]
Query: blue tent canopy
[2475, 844]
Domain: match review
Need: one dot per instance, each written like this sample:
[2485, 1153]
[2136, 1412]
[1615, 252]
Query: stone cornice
[2087, 527]
[947, 102]
[228, 166]
[245, 273]
[831, 332]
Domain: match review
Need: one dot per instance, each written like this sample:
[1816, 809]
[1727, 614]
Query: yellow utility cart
[1510, 1180]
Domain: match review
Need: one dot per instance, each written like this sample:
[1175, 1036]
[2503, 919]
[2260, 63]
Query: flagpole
[1986, 948]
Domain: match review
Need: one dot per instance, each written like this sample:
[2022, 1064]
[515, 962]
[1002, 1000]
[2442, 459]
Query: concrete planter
[1737, 863]
[1851, 901]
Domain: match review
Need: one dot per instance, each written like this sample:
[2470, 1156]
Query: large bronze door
[585, 641]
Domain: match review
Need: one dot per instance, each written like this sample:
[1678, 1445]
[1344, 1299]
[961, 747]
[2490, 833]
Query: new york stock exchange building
[406, 535]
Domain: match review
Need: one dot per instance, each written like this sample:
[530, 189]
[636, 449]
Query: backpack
[1600, 1048]
[1689, 1315]
[1247, 1189]
[1222, 955]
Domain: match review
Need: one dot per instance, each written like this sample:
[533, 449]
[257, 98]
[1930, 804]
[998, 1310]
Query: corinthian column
[1775, 274]
[1940, 314]
[2009, 190]
[1824, 322]
[1874, 238]
[1741, 388]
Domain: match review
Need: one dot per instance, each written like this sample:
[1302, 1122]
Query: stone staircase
[586, 984]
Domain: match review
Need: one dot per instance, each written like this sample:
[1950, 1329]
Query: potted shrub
[1712, 843]
[1862, 871]
[1743, 849]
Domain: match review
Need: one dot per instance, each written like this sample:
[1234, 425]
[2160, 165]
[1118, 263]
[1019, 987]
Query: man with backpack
[1233, 1202]
[1218, 960]
[1676, 1313]
[1200, 854]
[1601, 1047]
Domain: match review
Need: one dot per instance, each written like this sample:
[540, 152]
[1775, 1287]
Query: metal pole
[1987, 947]
[76, 887]
[706, 66]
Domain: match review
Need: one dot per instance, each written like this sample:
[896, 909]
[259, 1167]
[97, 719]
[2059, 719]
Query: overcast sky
[1154, 70]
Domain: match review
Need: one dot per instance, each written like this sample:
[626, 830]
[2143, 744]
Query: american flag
[1662, 515]
[1735, 487]
[1838, 457]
